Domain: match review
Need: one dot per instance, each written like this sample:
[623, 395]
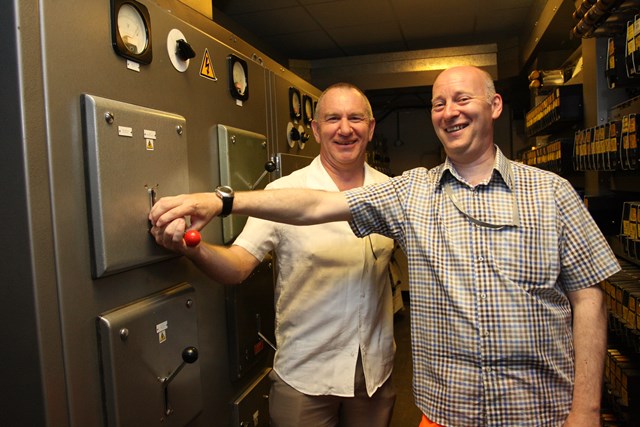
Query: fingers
[167, 209]
[171, 235]
[200, 207]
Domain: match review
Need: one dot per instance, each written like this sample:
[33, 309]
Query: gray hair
[344, 85]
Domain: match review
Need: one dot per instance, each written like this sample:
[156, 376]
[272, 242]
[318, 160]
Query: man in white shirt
[334, 315]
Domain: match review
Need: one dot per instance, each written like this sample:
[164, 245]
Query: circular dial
[239, 78]
[308, 110]
[132, 29]
[295, 103]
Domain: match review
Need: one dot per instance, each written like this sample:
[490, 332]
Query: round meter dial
[307, 105]
[131, 30]
[295, 104]
[238, 78]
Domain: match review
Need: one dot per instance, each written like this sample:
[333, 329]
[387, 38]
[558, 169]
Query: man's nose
[450, 110]
[345, 127]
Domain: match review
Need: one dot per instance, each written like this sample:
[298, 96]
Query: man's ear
[315, 129]
[372, 128]
[496, 106]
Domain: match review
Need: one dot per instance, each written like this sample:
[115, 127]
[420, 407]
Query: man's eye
[464, 99]
[356, 119]
[437, 106]
[331, 119]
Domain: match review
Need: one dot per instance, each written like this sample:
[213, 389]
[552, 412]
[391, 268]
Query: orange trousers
[428, 423]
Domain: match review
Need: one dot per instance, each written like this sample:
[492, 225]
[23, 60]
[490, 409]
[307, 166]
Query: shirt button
[485, 333]
[480, 258]
[483, 295]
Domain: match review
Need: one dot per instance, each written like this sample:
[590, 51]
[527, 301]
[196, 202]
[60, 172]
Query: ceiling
[322, 32]
[319, 29]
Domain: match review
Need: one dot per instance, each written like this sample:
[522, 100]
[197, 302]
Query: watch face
[225, 191]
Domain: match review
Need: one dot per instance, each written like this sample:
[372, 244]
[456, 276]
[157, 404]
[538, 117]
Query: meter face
[295, 105]
[238, 78]
[132, 29]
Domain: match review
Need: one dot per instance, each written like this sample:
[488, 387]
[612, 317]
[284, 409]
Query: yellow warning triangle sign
[206, 69]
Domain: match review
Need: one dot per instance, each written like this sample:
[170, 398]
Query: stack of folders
[607, 147]
[629, 225]
[554, 156]
[632, 47]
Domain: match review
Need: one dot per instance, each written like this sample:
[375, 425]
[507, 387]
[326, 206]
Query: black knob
[269, 166]
[184, 50]
[190, 354]
[295, 134]
[304, 137]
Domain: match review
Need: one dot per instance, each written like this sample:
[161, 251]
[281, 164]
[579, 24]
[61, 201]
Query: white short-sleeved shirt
[332, 295]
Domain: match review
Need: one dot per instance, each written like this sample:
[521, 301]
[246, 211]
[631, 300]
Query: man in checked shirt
[508, 323]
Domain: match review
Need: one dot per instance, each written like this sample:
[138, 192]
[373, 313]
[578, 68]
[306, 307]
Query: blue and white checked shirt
[490, 319]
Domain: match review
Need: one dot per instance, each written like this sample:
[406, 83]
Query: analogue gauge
[304, 137]
[307, 109]
[238, 78]
[131, 30]
[294, 104]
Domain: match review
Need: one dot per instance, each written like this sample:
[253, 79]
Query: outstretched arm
[590, 345]
[291, 206]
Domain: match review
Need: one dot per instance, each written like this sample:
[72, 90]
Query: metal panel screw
[179, 129]
[124, 334]
[108, 117]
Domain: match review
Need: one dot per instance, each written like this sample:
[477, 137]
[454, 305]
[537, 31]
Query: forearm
[226, 265]
[293, 206]
[590, 343]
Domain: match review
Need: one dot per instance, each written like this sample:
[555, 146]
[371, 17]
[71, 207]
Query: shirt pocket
[526, 255]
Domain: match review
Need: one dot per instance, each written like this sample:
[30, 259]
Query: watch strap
[227, 206]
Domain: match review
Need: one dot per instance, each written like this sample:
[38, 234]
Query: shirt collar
[322, 177]
[501, 164]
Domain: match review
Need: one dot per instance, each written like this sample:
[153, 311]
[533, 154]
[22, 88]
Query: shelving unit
[597, 150]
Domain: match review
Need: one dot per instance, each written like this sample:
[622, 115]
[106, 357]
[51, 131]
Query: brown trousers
[290, 408]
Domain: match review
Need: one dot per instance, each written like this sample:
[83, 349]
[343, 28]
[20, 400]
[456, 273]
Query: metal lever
[189, 355]
[152, 192]
[268, 168]
[261, 335]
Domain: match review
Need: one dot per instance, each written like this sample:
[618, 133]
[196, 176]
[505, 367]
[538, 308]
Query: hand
[200, 207]
[171, 236]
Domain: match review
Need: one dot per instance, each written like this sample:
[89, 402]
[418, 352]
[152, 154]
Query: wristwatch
[226, 195]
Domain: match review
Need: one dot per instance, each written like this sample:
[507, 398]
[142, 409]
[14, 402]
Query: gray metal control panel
[133, 155]
[149, 360]
[243, 157]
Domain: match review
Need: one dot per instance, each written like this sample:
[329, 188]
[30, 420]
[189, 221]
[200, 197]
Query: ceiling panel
[438, 26]
[279, 21]
[234, 7]
[345, 13]
[366, 34]
[319, 29]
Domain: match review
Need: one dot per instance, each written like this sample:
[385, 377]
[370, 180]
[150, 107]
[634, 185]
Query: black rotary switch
[184, 50]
